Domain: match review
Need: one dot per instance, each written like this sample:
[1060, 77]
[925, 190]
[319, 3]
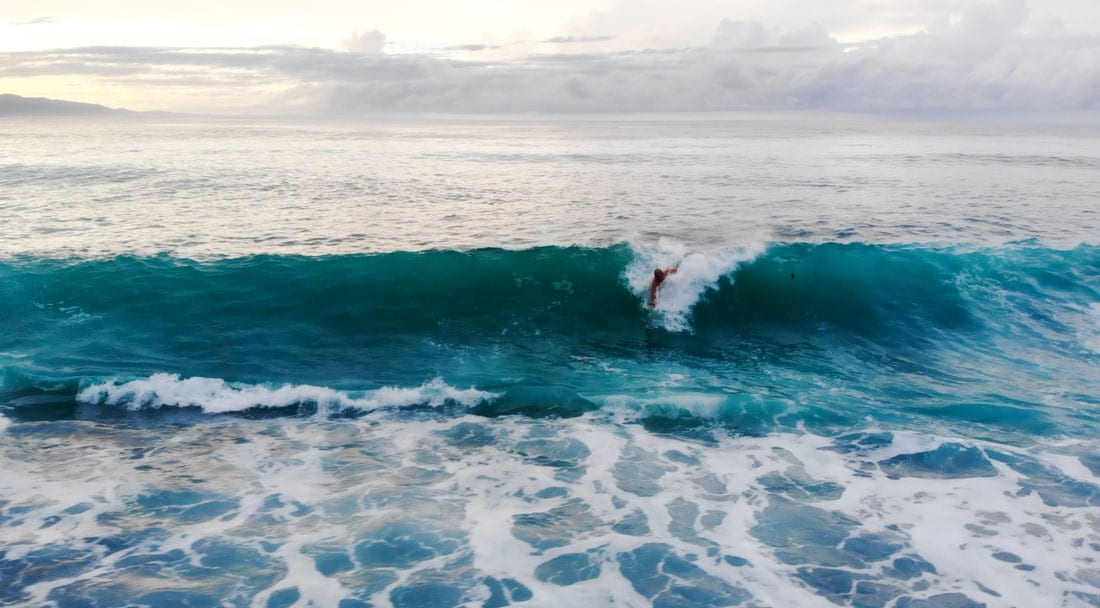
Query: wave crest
[216, 396]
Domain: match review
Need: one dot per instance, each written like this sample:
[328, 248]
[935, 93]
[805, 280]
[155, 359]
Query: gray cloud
[996, 55]
[576, 39]
[473, 47]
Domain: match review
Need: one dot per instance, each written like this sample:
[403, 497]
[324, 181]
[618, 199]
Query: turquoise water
[244, 411]
[825, 335]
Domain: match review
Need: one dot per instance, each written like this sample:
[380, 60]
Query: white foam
[1091, 339]
[314, 589]
[697, 272]
[1069, 465]
[4, 423]
[703, 405]
[215, 396]
[357, 475]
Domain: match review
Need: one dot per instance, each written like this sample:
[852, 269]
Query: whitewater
[410, 362]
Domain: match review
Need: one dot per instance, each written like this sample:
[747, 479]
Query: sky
[339, 58]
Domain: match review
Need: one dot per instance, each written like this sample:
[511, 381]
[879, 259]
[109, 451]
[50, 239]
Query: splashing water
[697, 272]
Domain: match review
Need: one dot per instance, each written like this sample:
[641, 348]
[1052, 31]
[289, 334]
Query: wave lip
[216, 396]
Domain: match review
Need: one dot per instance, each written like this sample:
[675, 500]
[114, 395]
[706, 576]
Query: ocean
[408, 361]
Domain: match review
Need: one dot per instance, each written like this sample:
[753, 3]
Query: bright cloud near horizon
[339, 58]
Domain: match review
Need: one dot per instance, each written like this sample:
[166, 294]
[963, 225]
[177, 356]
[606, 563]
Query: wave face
[753, 337]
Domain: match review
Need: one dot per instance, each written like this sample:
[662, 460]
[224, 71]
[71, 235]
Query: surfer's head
[658, 274]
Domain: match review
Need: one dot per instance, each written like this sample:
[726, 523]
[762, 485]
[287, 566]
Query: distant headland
[16, 105]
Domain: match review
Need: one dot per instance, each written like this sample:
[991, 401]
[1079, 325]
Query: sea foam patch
[393, 509]
[215, 396]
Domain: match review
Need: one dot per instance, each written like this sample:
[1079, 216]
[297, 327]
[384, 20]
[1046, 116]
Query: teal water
[410, 363]
[837, 333]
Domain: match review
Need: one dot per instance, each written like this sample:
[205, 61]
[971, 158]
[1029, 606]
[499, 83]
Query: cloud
[741, 35]
[994, 19]
[370, 43]
[994, 55]
[985, 60]
[576, 39]
[754, 36]
[36, 21]
[472, 47]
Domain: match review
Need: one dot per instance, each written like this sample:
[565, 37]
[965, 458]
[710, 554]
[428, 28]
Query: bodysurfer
[659, 277]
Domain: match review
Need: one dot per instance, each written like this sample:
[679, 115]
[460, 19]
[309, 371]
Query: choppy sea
[408, 362]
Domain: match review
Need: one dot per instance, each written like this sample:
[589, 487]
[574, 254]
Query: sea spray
[697, 272]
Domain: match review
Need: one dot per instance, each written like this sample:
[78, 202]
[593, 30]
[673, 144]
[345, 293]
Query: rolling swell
[552, 319]
[862, 289]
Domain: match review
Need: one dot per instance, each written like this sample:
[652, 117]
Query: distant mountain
[15, 105]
